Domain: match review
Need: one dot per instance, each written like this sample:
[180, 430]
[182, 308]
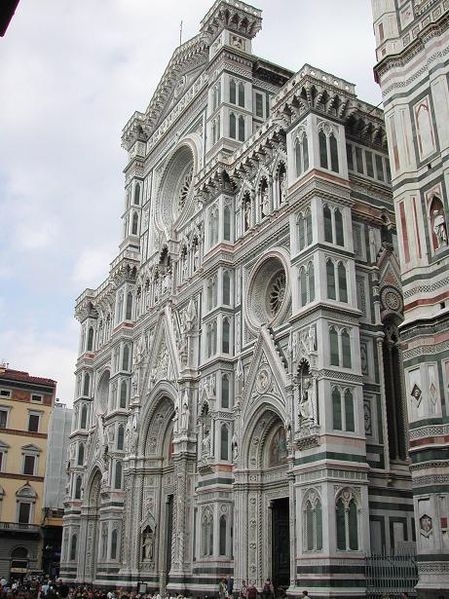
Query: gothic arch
[92, 494]
[156, 420]
[266, 419]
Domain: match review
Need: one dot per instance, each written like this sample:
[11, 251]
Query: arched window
[342, 283]
[241, 128]
[81, 454]
[232, 126]
[323, 149]
[305, 152]
[227, 222]
[129, 306]
[224, 442]
[333, 342]
[118, 475]
[222, 536]
[226, 338]
[347, 522]
[73, 547]
[78, 483]
[308, 219]
[137, 195]
[327, 224]
[303, 285]
[232, 92]
[226, 288]
[134, 223]
[349, 411]
[123, 394]
[334, 152]
[339, 233]
[86, 385]
[126, 356]
[207, 533]
[311, 281]
[298, 158]
[313, 525]
[114, 538]
[337, 424]
[346, 349]
[90, 339]
[225, 391]
[83, 419]
[241, 93]
[120, 437]
[330, 278]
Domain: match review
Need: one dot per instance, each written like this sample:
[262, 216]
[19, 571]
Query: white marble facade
[239, 407]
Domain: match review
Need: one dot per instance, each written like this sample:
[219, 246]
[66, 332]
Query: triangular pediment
[267, 375]
[163, 361]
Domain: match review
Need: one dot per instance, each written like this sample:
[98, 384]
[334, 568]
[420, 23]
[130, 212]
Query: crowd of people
[46, 588]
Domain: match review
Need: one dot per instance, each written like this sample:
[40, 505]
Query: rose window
[276, 293]
[185, 188]
[268, 292]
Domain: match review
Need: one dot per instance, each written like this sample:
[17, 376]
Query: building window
[134, 223]
[330, 278]
[81, 454]
[333, 342]
[343, 412]
[304, 222]
[227, 222]
[129, 306]
[118, 475]
[241, 128]
[232, 126]
[225, 391]
[226, 336]
[340, 347]
[114, 543]
[224, 442]
[120, 437]
[137, 195]
[337, 287]
[226, 288]
[78, 484]
[307, 284]
[90, 339]
[259, 104]
[241, 94]
[222, 535]
[5, 393]
[24, 514]
[126, 357]
[3, 418]
[29, 464]
[36, 398]
[212, 292]
[328, 147]
[232, 92]
[123, 394]
[347, 522]
[33, 422]
[83, 420]
[313, 525]
[86, 384]
[333, 225]
[211, 338]
[207, 533]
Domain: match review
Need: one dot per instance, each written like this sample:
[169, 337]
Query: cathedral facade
[413, 71]
[239, 404]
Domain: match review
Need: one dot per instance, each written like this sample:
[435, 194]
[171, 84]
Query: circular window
[268, 292]
[176, 186]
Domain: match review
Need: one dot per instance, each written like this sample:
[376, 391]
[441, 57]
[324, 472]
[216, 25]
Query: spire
[236, 16]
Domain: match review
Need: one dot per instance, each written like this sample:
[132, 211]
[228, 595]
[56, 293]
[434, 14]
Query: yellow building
[26, 403]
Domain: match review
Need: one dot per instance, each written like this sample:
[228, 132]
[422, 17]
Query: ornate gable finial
[234, 15]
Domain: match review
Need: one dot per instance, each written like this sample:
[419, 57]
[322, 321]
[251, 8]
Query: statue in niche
[148, 544]
[247, 213]
[185, 413]
[235, 448]
[439, 228]
[306, 396]
[205, 444]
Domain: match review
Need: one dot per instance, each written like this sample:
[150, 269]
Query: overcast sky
[71, 74]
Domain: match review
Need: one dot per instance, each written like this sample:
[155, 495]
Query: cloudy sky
[71, 74]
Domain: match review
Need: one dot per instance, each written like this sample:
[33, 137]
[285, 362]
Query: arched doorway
[156, 551]
[87, 567]
[19, 563]
[263, 503]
